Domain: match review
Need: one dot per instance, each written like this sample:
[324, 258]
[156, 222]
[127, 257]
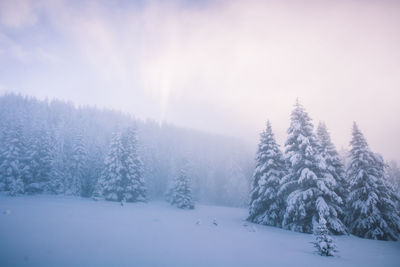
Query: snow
[68, 231]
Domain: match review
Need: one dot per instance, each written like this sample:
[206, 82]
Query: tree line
[58, 148]
[308, 187]
[54, 147]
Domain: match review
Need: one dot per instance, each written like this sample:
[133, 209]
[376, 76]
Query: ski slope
[68, 231]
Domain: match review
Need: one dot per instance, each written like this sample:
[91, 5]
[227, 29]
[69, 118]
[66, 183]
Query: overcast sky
[219, 66]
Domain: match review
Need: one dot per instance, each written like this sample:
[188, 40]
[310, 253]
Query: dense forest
[56, 147]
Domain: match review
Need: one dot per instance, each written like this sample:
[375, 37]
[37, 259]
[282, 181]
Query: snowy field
[66, 231]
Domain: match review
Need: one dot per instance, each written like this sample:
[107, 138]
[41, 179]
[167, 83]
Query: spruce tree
[266, 206]
[40, 156]
[371, 205]
[323, 241]
[309, 192]
[95, 160]
[135, 189]
[170, 189]
[56, 183]
[393, 173]
[12, 167]
[182, 193]
[113, 171]
[122, 178]
[390, 188]
[333, 170]
[78, 165]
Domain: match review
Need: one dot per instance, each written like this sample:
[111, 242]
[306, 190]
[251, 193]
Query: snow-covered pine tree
[135, 189]
[334, 168]
[309, 192]
[393, 173]
[266, 206]
[11, 167]
[95, 162]
[40, 156]
[78, 165]
[323, 241]
[182, 194]
[388, 186]
[56, 183]
[170, 189]
[371, 207]
[122, 178]
[113, 171]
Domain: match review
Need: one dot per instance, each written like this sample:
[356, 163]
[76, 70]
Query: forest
[55, 147]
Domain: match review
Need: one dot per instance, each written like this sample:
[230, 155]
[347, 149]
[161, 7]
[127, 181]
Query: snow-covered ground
[67, 231]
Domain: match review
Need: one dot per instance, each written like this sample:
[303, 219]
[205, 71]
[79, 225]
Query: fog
[219, 66]
[199, 132]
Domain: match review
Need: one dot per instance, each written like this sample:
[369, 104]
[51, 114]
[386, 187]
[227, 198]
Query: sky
[223, 67]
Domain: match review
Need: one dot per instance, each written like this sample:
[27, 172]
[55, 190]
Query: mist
[222, 67]
[199, 133]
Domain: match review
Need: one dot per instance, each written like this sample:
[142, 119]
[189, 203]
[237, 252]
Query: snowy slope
[64, 231]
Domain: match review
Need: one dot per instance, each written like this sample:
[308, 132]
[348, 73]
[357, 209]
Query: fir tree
[182, 194]
[113, 172]
[309, 192]
[122, 178]
[95, 160]
[323, 241]
[371, 205]
[40, 156]
[56, 184]
[265, 205]
[135, 189]
[390, 188]
[78, 166]
[393, 173]
[12, 168]
[170, 189]
[333, 170]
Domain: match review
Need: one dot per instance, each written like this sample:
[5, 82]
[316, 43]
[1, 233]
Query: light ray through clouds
[220, 66]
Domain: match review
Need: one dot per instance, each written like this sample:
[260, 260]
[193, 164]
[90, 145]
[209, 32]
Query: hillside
[68, 231]
[217, 163]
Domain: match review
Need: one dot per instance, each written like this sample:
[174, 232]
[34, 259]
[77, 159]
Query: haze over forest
[219, 66]
[199, 133]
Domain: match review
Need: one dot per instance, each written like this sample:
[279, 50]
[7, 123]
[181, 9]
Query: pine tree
[113, 172]
[170, 189]
[40, 157]
[393, 173]
[122, 178]
[323, 241]
[182, 194]
[389, 187]
[78, 166]
[265, 205]
[309, 192]
[12, 168]
[95, 160]
[56, 184]
[334, 171]
[371, 205]
[135, 189]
